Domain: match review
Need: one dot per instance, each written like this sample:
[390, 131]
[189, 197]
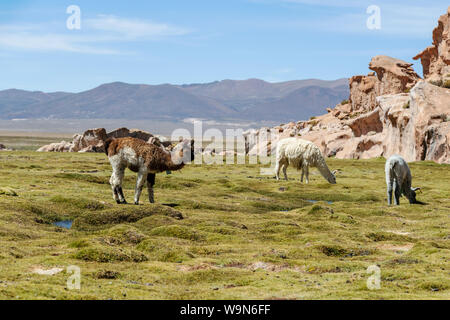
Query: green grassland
[220, 232]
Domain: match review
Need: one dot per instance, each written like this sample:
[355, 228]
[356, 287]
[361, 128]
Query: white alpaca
[398, 179]
[301, 154]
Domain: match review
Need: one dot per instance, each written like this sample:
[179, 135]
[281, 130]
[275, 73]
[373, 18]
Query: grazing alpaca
[301, 154]
[398, 179]
[145, 159]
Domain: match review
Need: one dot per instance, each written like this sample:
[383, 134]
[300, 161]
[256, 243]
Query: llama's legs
[114, 190]
[306, 168]
[114, 181]
[277, 170]
[142, 177]
[285, 165]
[389, 193]
[150, 183]
[303, 173]
[116, 184]
[397, 194]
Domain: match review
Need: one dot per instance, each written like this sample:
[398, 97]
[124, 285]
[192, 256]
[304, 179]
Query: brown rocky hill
[390, 111]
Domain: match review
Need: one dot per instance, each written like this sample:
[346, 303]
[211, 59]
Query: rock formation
[4, 148]
[435, 59]
[92, 140]
[389, 111]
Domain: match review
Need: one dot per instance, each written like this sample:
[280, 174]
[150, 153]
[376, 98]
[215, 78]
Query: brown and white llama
[146, 160]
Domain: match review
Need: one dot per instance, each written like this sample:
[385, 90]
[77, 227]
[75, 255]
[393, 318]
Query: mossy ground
[242, 236]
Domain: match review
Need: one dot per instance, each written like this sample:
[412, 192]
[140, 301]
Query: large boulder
[363, 91]
[119, 133]
[366, 123]
[435, 59]
[4, 148]
[140, 134]
[390, 76]
[93, 140]
[428, 127]
[90, 141]
[394, 75]
[62, 146]
[134, 133]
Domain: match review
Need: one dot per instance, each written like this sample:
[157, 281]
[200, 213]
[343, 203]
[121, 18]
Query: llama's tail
[107, 143]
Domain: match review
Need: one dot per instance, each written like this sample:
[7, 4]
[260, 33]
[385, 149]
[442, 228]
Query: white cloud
[95, 33]
[134, 28]
[404, 18]
[49, 42]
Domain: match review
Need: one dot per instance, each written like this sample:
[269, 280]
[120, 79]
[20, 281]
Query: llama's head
[332, 177]
[183, 152]
[412, 195]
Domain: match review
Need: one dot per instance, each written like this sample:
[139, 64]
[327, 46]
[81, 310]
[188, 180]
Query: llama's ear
[416, 189]
[334, 172]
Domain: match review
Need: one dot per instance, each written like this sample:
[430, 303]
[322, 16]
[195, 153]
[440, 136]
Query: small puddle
[66, 224]
[315, 201]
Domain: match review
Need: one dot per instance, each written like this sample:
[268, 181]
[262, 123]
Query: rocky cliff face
[436, 58]
[390, 111]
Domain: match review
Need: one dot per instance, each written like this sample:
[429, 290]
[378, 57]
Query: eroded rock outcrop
[4, 148]
[390, 76]
[390, 111]
[415, 125]
[90, 141]
[435, 59]
[394, 75]
[62, 146]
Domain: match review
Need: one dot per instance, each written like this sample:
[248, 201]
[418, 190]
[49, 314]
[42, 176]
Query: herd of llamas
[148, 159]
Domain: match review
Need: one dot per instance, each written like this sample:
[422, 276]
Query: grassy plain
[225, 232]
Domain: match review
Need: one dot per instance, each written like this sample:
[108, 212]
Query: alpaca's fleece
[398, 180]
[301, 154]
[137, 154]
[145, 159]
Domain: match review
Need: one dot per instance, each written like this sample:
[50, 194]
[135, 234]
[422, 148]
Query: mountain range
[252, 100]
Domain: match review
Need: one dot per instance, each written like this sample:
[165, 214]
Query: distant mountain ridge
[251, 100]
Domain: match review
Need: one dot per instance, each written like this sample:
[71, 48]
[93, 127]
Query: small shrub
[333, 251]
[438, 83]
[8, 192]
[119, 215]
[175, 231]
[82, 177]
[107, 274]
[446, 84]
[160, 251]
[78, 244]
[386, 236]
[345, 101]
[109, 255]
[406, 105]
[78, 203]
[434, 286]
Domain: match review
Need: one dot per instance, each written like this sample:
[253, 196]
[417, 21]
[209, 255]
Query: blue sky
[180, 41]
